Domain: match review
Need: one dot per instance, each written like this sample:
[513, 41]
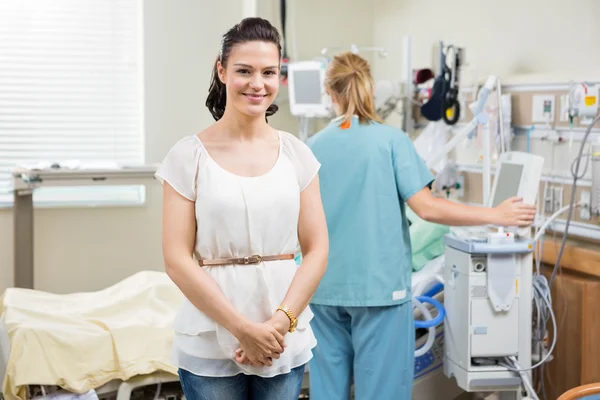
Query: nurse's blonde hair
[349, 81]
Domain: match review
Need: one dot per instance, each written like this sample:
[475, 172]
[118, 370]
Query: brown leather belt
[255, 259]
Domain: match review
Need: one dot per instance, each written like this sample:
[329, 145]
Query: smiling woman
[239, 197]
[253, 50]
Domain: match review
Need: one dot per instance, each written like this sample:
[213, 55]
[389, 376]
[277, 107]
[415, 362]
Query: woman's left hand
[280, 322]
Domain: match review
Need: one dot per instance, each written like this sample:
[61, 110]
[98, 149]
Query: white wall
[507, 38]
[89, 249]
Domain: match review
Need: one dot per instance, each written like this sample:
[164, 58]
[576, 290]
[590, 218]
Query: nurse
[363, 316]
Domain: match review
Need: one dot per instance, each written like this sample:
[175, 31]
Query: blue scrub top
[368, 172]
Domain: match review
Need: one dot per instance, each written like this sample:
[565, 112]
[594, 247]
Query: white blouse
[241, 216]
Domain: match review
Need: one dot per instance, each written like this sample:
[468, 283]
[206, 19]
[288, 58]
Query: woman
[363, 317]
[238, 199]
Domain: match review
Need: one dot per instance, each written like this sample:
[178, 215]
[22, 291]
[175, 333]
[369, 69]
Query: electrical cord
[544, 311]
[551, 219]
[587, 162]
[576, 177]
[541, 286]
[542, 315]
[542, 384]
[524, 377]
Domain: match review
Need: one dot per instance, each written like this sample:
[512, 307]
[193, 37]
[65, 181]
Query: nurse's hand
[513, 212]
[261, 343]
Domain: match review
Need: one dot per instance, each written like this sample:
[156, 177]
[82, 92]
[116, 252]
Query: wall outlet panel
[584, 211]
[558, 197]
[543, 108]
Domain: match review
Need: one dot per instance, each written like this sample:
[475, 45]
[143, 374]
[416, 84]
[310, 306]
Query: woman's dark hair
[248, 30]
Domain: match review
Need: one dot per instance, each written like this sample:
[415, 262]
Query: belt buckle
[255, 259]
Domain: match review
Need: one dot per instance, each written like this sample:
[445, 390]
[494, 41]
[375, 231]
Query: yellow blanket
[81, 341]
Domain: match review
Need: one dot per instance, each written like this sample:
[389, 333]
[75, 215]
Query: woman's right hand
[261, 343]
[513, 212]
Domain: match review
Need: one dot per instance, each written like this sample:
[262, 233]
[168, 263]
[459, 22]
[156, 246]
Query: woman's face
[251, 77]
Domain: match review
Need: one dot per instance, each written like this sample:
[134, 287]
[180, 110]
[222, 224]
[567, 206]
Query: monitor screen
[508, 181]
[307, 87]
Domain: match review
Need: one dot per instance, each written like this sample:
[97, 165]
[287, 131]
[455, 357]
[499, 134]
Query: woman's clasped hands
[261, 343]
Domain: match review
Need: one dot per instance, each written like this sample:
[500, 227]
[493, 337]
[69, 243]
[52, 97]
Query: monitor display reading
[307, 87]
[508, 181]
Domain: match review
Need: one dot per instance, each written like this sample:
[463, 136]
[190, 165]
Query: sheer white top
[240, 216]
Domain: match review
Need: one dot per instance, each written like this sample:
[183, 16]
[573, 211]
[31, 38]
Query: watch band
[290, 315]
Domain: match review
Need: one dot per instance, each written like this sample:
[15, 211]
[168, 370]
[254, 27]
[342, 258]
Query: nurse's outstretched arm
[261, 342]
[511, 212]
[314, 242]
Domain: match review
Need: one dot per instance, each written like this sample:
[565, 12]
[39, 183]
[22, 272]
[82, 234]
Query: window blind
[70, 88]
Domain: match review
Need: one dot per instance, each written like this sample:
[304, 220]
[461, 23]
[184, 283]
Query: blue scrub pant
[372, 347]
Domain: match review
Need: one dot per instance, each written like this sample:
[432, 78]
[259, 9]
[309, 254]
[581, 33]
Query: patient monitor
[518, 174]
[488, 290]
[306, 82]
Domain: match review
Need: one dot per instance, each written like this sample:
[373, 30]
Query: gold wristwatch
[291, 316]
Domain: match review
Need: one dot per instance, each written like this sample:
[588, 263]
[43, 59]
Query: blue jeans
[242, 387]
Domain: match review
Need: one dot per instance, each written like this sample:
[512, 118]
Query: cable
[540, 284]
[552, 218]
[542, 383]
[542, 312]
[587, 162]
[512, 362]
[525, 378]
[572, 202]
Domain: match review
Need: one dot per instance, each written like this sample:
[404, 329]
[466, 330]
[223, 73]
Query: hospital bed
[111, 341]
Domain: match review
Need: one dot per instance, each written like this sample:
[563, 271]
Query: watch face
[295, 324]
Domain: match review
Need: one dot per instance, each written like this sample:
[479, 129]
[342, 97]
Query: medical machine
[488, 292]
[26, 180]
[307, 95]
[583, 102]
